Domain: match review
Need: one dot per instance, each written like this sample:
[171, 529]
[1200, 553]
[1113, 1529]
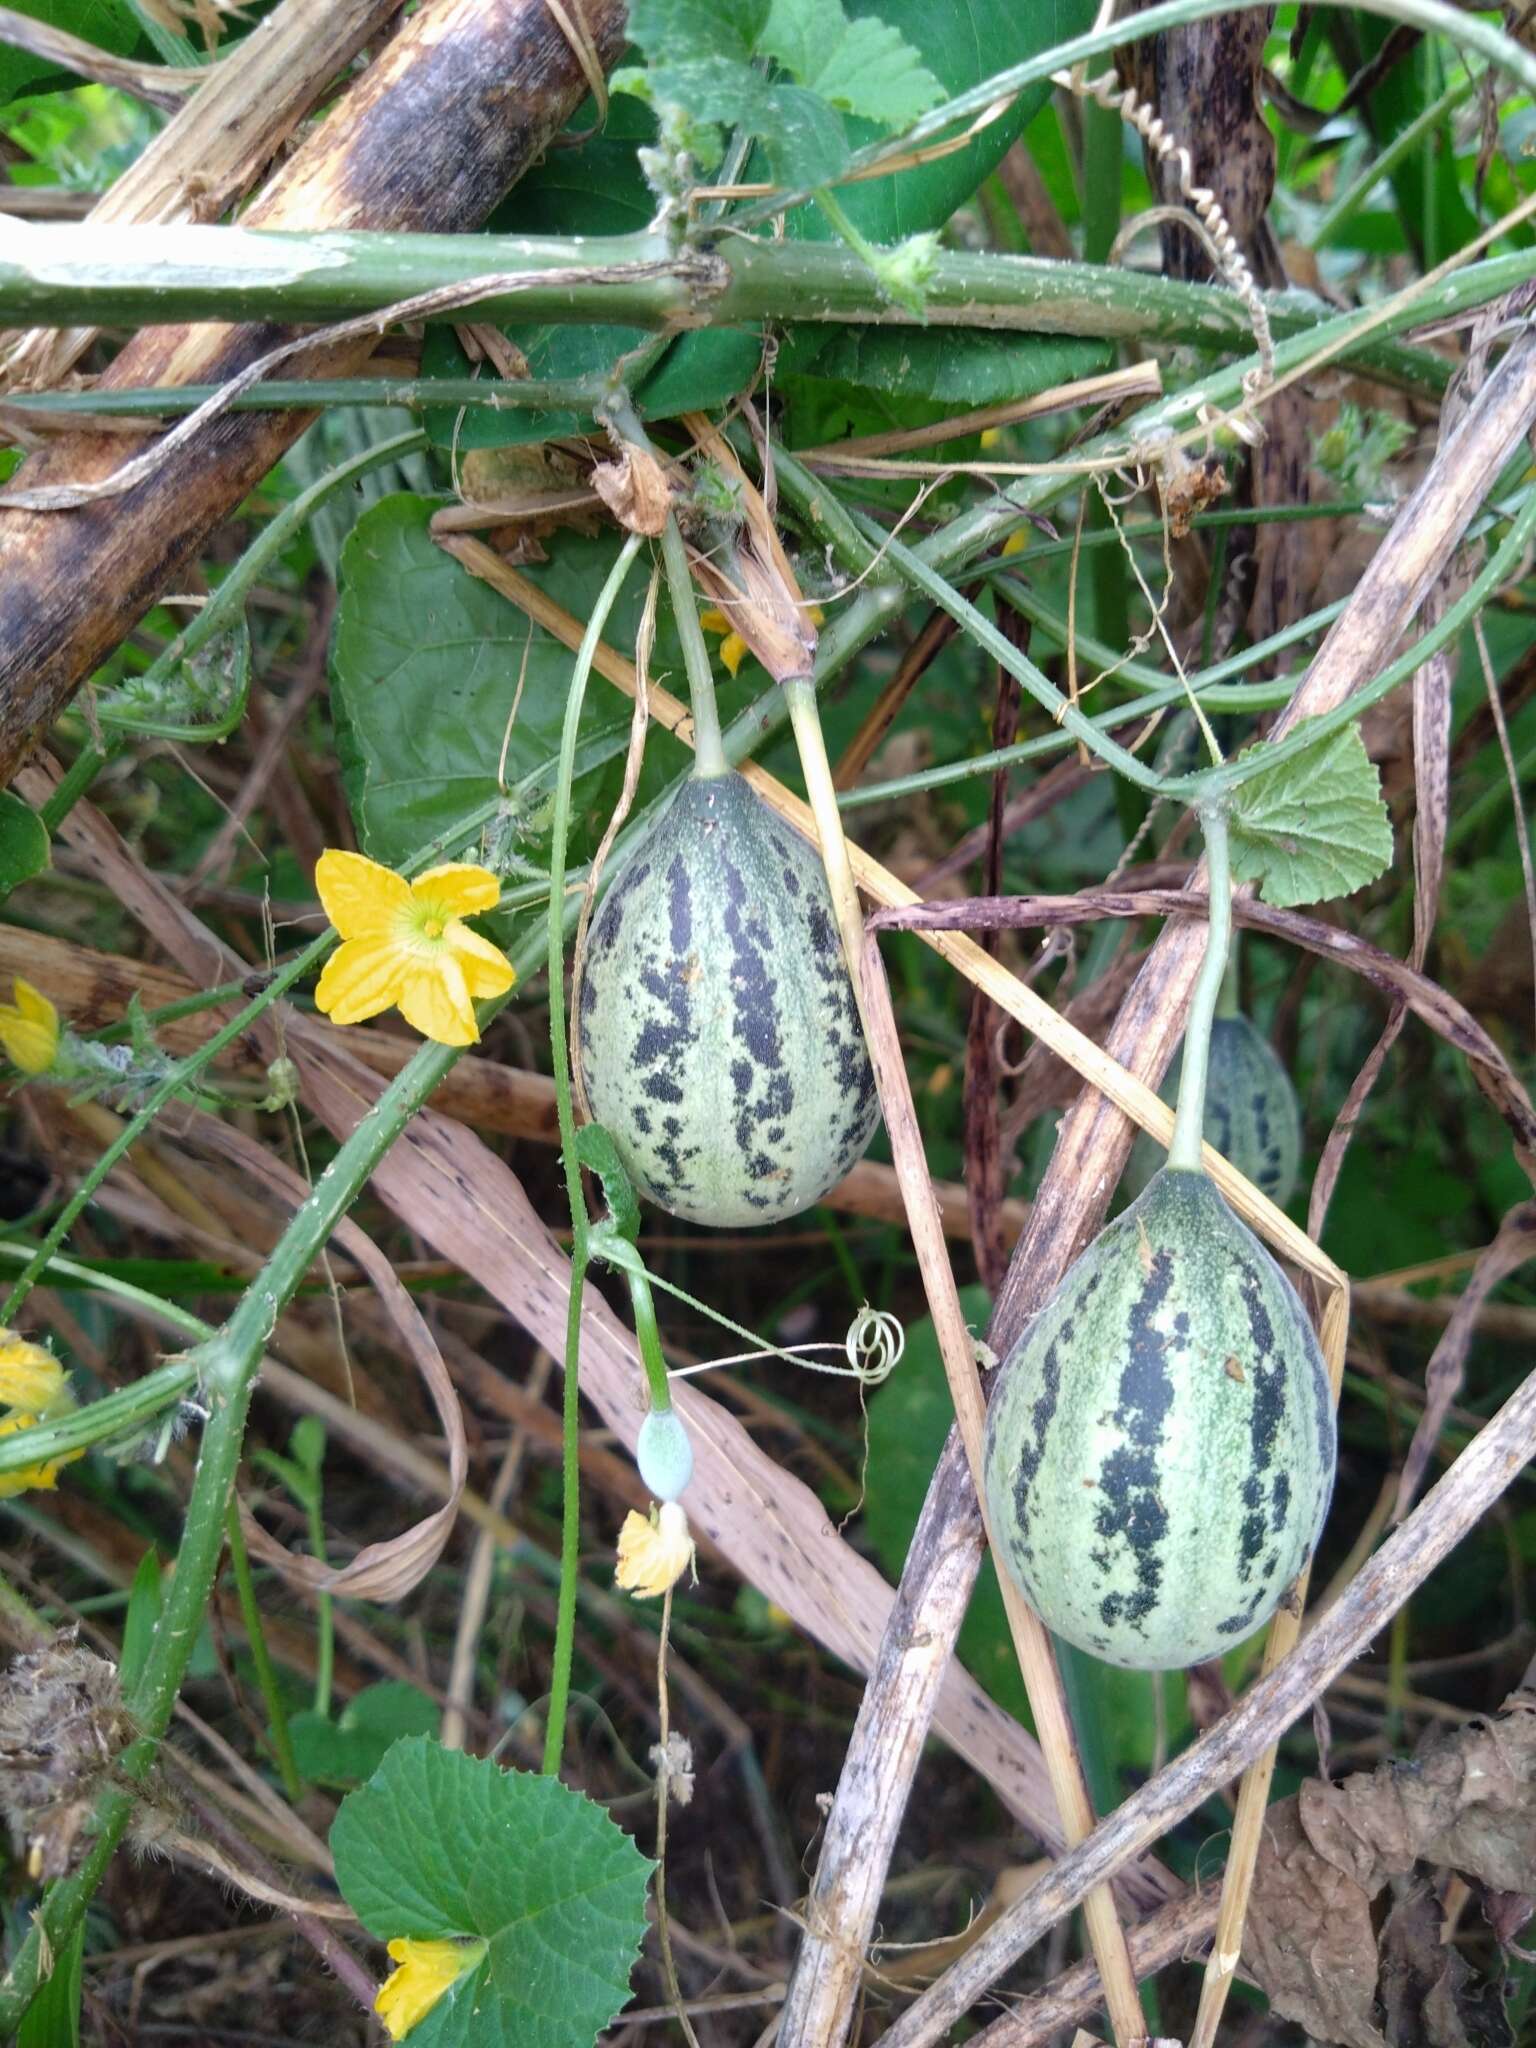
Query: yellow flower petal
[654, 1552]
[714, 621]
[426, 1969]
[360, 898]
[1014, 544]
[458, 889]
[435, 998]
[487, 970]
[30, 1377]
[733, 652]
[44, 1475]
[990, 436]
[362, 977]
[29, 1029]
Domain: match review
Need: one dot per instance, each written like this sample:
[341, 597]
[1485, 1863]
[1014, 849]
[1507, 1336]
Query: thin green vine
[570, 1538]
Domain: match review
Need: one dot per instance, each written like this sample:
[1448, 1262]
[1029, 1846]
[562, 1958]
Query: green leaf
[1314, 825]
[862, 67]
[109, 24]
[426, 666]
[144, 1600]
[961, 43]
[439, 1844]
[351, 1748]
[950, 367]
[23, 842]
[700, 58]
[53, 2018]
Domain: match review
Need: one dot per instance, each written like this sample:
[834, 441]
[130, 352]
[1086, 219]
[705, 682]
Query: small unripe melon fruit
[1252, 1117]
[720, 1040]
[1160, 1449]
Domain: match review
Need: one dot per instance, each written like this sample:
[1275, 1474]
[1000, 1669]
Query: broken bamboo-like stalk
[464, 99]
[243, 110]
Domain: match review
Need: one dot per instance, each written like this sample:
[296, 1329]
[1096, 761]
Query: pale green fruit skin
[1160, 1450]
[1252, 1116]
[720, 1041]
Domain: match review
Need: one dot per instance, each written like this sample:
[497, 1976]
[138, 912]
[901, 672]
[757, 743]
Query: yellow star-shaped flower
[426, 1970]
[405, 945]
[654, 1551]
[30, 1377]
[27, 1477]
[29, 1029]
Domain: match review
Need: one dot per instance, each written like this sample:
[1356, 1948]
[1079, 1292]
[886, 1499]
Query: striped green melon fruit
[720, 1041]
[1160, 1449]
[1251, 1113]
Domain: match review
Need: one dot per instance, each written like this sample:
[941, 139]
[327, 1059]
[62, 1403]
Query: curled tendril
[874, 1345]
[872, 1348]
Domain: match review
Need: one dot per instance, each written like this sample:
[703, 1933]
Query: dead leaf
[1429, 1994]
[635, 490]
[1466, 1801]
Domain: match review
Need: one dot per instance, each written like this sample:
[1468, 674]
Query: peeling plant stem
[1189, 1123]
[65, 276]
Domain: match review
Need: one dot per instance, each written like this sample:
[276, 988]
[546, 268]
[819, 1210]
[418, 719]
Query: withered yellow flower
[426, 1969]
[29, 1477]
[30, 1377]
[405, 945]
[29, 1029]
[654, 1551]
[733, 649]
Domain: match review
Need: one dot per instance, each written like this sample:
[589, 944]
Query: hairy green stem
[708, 753]
[261, 1656]
[76, 780]
[325, 1606]
[227, 605]
[570, 1534]
[986, 635]
[1189, 1120]
[648, 1335]
[529, 394]
[201, 273]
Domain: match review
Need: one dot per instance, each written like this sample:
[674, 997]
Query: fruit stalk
[1189, 1122]
[708, 750]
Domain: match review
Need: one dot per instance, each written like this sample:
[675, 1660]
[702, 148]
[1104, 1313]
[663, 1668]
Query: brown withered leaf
[1430, 1996]
[1467, 1800]
[1309, 1940]
[635, 490]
